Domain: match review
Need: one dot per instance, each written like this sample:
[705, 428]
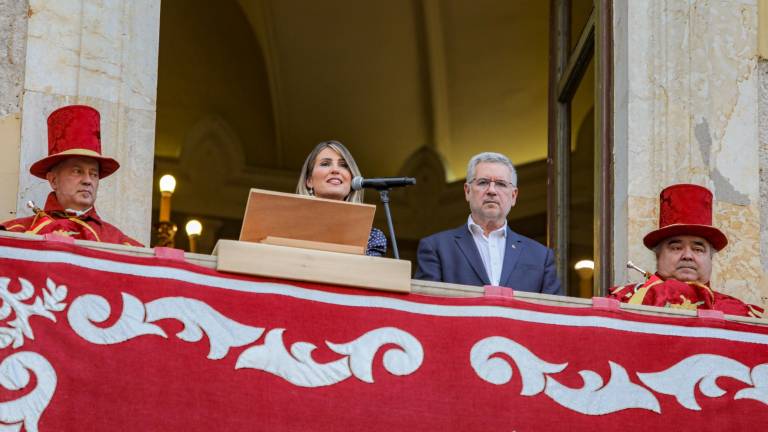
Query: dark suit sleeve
[429, 267]
[550, 284]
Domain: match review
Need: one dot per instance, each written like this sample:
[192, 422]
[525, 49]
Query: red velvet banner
[93, 341]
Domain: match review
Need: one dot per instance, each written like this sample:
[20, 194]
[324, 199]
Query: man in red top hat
[73, 168]
[684, 245]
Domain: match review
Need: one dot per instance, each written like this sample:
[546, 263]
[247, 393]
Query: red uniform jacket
[682, 295]
[54, 219]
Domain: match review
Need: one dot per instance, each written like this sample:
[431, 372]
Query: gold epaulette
[708, 289]
[639, 295]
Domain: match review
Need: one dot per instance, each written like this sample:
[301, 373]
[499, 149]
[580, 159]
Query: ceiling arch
[384, 77]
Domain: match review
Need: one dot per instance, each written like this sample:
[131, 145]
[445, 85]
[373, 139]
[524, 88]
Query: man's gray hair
[490, 157]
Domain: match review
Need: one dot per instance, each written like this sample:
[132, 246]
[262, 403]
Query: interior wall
[297, 72]
[497, 79]
[350, 71]
[212, 64]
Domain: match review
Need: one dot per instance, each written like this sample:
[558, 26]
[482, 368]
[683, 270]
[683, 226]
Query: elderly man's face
[685, 258]
[490, 194]
[75, 181]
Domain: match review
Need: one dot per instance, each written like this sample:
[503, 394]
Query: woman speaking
[327, 173]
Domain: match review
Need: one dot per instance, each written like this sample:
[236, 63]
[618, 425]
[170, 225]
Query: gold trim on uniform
[754, 312]
[76, 220]
[40, 226]
[709, 290]
[685, 304]
[639, 295]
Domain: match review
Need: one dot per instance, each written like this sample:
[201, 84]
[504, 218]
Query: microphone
[382, 183]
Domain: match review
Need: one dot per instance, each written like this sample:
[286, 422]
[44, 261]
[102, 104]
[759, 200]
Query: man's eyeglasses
[484, 183]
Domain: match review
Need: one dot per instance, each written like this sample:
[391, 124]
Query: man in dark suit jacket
[485, 251]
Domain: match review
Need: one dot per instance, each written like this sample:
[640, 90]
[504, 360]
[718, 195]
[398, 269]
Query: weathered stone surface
[763, 151]
[737, 270]
[693, 118]
[13, 37]
[10, 132]
[643, 217]
[102, 54]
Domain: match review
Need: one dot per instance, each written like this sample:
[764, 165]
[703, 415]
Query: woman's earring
[311, 192]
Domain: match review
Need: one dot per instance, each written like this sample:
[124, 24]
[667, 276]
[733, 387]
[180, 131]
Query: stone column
[763, 134]
[103, 54]
[13, 37]
[692, 117]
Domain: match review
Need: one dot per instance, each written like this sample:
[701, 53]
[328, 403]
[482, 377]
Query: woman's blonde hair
[355, 196]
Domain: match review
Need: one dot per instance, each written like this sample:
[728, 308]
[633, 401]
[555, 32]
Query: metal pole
[384, 195]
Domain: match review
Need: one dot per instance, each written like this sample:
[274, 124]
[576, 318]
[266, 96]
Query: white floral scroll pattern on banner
[593, 398]
[51, 301]
[15, 375]
[703, 370]
[497, 371]
[136, 320]
[620, 393]
[15, 369]
[760, 381]
[598, 399]
[298, 368]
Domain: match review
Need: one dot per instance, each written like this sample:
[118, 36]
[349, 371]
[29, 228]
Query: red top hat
[74, 130]
[686, 209]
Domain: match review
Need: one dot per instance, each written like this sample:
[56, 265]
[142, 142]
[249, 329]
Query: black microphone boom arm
[383, 185]
[382, 182]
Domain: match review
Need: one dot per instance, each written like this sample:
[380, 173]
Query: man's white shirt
[491, 248]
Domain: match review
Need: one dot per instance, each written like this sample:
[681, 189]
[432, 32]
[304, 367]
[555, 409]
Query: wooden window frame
[566, 70]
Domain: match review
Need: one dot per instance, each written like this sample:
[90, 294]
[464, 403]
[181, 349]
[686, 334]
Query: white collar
[475, 228]
[78, 213]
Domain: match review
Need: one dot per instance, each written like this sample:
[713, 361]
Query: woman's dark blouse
[377, 243]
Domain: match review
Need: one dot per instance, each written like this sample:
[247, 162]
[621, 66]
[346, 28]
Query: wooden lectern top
[304, 221]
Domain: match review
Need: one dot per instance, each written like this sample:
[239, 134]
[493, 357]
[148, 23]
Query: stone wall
[13, 37]
[763, 135]
[102, 54]
[692, 117]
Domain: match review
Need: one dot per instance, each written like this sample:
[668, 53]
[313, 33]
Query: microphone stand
[384, 195]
